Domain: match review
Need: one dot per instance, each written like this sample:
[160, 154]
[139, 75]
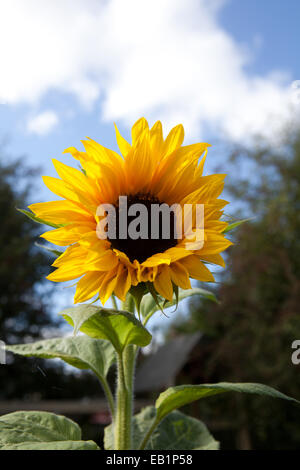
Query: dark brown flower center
[150, 227]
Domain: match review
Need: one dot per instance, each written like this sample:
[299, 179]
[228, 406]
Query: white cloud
[167, 59]
[42, 123]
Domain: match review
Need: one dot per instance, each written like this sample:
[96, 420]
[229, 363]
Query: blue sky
[276, 22]
[265, 32]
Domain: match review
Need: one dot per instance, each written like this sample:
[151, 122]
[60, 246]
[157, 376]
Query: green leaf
[232, 226]
[175, 397]
[81, 352]
[56, 445]
[117, 326]
[149, 305]
[176, 432]
[37, 219]
[180, 432]
[40, 430]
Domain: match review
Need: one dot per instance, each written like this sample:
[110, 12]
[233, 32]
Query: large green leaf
[180, 432]
[117, 326]
[56, 445]
[175, 397]
[176, 432]
[149, 306]
[39, 430]
[80, 351]
[33, 217]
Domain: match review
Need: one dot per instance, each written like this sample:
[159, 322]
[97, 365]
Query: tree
[25, 309]
[249, 335]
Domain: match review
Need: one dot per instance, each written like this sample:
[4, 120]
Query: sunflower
[151, 170]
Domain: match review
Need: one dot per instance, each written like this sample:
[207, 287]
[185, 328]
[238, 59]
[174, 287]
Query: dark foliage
[249, 335]
[26, 313]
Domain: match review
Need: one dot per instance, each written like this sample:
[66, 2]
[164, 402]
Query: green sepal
[155, 296]
[56, 253]
[138, 293]
[33, 217]
[233, 225]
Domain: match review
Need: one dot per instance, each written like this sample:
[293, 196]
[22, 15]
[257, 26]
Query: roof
[159, 370]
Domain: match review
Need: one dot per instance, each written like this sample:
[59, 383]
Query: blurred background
[229, 71]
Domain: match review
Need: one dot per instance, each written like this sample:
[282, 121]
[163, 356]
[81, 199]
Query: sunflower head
[131, 219]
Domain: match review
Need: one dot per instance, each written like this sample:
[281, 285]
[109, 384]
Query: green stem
[129, 365]
[114, 302]
[148, 435]
[147, 318]
[124, 410]
[128, 304]
[126, 364]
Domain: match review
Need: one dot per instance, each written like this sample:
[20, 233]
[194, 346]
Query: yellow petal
[66, 235]
[104, 262]
[88, 286]
[174, 139]
[74, 254]
[137, 130]
[163, 283]
[123, 282]
[148, 274]
[75, 153]
[138, 165]
[156, 140]
[124, 258]
[64, 190]
[123, 145]
[66, 272]
[180, 275]
[108, 285]
[214, 243]
[197, 270]
[215, 225]
[176, 253]
[174, 164]
[214, 259]
[61, 212]
[91, 241]
[156, 260]
[102, 154]
[78, 181]
[208, 188]
[200, 167]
